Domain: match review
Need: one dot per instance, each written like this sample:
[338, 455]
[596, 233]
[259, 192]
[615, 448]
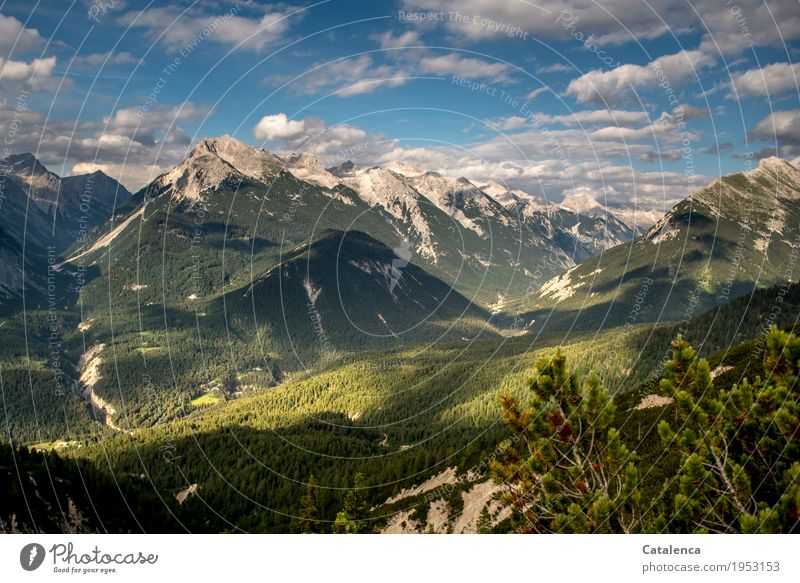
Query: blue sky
[616, 99]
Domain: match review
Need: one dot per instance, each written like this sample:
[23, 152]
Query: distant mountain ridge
[739, 232]
[458, 232]
[42, 213]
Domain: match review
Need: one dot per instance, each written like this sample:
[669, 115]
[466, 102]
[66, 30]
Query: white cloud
[469, 67]
[407, 39]
[309, 134]
[348, 77]
[14, 36]
[783, 128]
[615, 85]
[36, 73]
[506, 124]
[666, 126]
[537, 92]
[178, 29]
[280, 127]
[109, 58]
[727, 27]
[91, 168]
[152, 127]
[370, 84]
[589, 116]
[766, 81]
[556, 68]
[540, 18]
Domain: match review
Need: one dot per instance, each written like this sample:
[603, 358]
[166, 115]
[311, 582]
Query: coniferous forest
[407, 267]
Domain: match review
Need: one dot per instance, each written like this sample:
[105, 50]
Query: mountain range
[739, 232]
[247, 299]
[42, 214]
[466, 234]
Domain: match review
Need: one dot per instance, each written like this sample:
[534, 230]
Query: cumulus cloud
[666, 127]
[540, 18]
[155, 126]
[727, 28]
[348, 77]
[733, 27]
[453, 64]
[783, 128]
[409, 38]
[22, 71]
[308, 134]
[656, 155]
[132, 148]
[14, 37]
[280, 127]
[590, 116]
[36, 74]
[506, 124]
[108, 58]
[528, 159]
[766, 81]
[617, 84]
[178, 29]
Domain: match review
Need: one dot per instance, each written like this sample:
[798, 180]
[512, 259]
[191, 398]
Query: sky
[629, 101]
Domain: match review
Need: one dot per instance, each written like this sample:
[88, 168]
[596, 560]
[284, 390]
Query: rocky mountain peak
[249, 160]
[580, 202]
[304, 160]
[215, 160]
[773, 162]
[305, 166]
[41, 185]
[774, 167]
[25, 161]
[343, 169]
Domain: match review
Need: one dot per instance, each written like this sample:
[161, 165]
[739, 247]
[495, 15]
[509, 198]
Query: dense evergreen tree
[352, 519]
[739, 454]
[309, 512]
[566, 468]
